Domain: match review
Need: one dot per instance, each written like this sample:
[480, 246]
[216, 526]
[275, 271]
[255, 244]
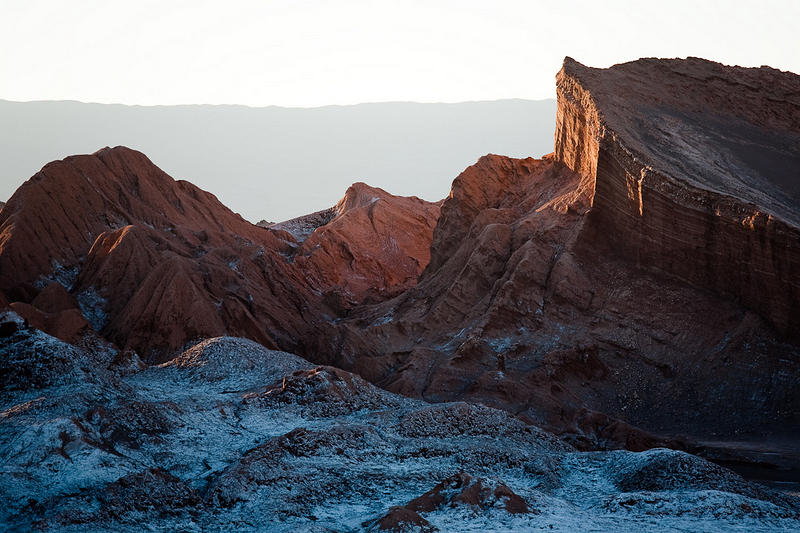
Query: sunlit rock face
[371, 245]
[525, 307]
[696, 172]
[151, 262]
[646, 268]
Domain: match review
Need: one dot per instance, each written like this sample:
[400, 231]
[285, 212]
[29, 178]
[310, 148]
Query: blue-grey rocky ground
[232, 436]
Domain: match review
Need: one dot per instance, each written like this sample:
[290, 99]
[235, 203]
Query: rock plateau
[616, 292]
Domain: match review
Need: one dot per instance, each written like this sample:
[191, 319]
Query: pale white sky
[311, 53]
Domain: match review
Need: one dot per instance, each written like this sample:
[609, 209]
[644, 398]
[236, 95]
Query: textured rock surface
[54, 311]
[155, 263]
[68, 325]
[647, 268]
[697, 171]
[522, 308]
[375, 246]
[33, 360]
[303, 226]
[182, 447]
[463, 489]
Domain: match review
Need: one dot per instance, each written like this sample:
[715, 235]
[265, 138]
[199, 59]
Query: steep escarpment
[602, 297]
[696, 172]
[523, 307]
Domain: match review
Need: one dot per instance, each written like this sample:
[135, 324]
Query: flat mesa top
[731, 130]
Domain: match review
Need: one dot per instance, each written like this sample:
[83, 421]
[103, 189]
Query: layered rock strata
[697, 172]
[522, 308]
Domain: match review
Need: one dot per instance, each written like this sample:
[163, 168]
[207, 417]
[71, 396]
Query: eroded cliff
[523, 307]
[628, 289]
[696, 168]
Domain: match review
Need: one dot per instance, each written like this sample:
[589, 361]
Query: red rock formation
[69, 203]
[156, 262]
[67, 325]
[522, 307]
[400, 519]
[55, 312]
[557, 289]
[461, 489]
[54, 298]
[375, 246]
[696, 170]
[480, 495]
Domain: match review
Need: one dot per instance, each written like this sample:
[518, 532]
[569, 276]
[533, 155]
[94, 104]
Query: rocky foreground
[231, 435]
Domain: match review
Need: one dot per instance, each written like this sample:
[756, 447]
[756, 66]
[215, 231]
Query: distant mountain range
[277, 163]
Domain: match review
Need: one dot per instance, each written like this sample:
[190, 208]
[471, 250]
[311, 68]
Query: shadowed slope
[524, 307]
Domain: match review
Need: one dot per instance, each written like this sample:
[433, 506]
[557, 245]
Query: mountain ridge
[156, 262]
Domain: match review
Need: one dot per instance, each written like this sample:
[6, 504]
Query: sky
[306, 53]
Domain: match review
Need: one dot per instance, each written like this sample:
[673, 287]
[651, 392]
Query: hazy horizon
[313, 53]
[267, 106]
[277, 162]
